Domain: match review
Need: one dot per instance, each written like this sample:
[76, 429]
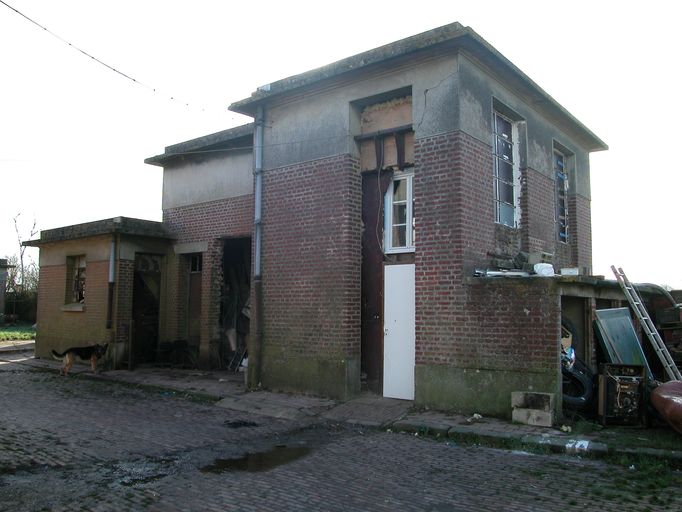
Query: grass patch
[497, 442]
[662, 438]
[17, 332]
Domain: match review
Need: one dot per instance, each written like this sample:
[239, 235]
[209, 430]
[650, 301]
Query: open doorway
[145, 314]
[235, 309]
[387, 339]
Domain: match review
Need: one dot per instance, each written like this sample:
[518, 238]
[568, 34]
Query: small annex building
[95, 280]
[340, 237]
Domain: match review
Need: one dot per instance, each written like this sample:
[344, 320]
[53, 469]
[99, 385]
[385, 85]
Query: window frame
[565, 157]
[409, 246]
[76, 278]
[515, 182]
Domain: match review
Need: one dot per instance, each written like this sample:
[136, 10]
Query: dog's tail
[57, 355]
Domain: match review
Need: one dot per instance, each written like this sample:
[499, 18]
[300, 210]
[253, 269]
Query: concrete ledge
[417, 427]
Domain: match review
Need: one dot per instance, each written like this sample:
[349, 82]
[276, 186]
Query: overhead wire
[99, 61]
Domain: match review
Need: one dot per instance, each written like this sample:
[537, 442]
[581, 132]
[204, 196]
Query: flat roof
[450, 37]
[230, 138]
[116, 225]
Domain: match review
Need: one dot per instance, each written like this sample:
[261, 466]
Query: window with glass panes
[399, 218]
[561, 181]
[505, 170]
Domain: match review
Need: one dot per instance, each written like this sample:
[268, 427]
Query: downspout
[112, 275]
[256, 348]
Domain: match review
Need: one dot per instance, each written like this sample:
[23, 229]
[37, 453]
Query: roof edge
[388, 51]
[455, 33]
[115, 225]
[201, 143]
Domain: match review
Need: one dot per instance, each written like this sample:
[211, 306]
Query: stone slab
[369, 410]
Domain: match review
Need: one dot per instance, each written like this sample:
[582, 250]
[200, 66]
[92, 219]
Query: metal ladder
[645, 320]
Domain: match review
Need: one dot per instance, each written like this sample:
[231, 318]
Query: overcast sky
[74, 134]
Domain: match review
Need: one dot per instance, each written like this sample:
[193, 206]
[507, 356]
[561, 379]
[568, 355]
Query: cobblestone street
[83, 444]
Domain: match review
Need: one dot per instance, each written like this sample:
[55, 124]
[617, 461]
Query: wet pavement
[93, 444]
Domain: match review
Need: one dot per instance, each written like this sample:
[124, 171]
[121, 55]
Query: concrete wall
[320, 124]
[479, 94]
[205, 179]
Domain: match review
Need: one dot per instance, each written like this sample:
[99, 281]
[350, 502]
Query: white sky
[73, 134]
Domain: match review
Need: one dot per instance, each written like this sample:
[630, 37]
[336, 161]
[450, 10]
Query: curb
[20, 347]
[543, 442]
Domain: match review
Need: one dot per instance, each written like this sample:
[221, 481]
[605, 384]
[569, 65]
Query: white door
[399, 331]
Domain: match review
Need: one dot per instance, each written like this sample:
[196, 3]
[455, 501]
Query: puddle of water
[258, 462]
[240, 424]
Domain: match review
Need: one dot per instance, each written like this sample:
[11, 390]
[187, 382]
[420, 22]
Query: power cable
[99, 61]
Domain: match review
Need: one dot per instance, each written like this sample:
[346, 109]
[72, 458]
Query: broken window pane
[504, 149]
[503, 127]
[505, 171]
[400, 236]
[399, 213]
[506, 193]
[506, 214]
[399, 190]
[561, 185]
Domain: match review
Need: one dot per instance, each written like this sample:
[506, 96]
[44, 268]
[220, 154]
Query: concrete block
[532, 400]
[533, 417]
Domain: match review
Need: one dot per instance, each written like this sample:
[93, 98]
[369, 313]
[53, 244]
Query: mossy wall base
[486, 392]
[334, 378]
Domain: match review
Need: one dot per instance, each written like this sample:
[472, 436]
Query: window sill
[517, 227]
[400, 250]
[75, 307]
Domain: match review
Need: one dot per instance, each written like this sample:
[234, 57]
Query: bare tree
[24, 275]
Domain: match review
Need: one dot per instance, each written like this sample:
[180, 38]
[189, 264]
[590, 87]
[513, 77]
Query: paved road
[81, 444]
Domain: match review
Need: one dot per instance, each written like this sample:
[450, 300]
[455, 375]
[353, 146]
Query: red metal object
[667, 399]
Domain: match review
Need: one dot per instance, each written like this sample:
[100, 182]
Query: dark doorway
[235, 310]
[146, 293]
[372, 280]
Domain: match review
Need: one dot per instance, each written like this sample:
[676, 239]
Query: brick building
[96, 278]
[382, 182]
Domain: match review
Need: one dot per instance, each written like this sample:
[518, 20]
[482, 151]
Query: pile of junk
[637, 349]
[638, 381]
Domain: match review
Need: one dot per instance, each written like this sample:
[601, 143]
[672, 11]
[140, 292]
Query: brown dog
[92, 353]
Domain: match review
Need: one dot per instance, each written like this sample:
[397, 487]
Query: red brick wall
[124, 299]
[311, 259]
[454, 223]
[206, 222]
[580, 226]
[230, 217]
[63, 329]
[537, 212]
[462, 321]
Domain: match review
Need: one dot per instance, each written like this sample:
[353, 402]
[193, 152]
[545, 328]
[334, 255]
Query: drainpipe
[112, 274]
[256, 345]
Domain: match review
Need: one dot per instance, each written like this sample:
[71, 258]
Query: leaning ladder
[645, 320]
